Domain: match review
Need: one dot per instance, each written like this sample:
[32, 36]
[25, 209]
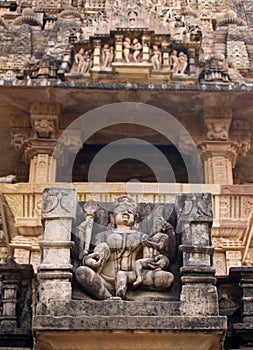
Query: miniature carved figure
[79, 59]
[85, 229]
[155, 248]
[217, 131]
[83, 61]
[174, 61]
[137, 50]
[156, 57]
[110, 269]
[44, 128]
[126, 49]
[87, 61]
[182, 63]
[107, 55]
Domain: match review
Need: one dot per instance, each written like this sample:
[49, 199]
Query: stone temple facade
[132, 108]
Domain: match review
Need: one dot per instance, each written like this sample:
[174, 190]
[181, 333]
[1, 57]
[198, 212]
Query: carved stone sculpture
[82, 62]
[154, 251]
[174, 61]
[107, 55]
[132, 50]
[136, 50]
[178, 62]
[125, 258]
[126, 49]
[156, 58]
[44, 128]
[217, 131]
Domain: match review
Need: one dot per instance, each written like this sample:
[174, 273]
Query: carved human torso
[124, 245]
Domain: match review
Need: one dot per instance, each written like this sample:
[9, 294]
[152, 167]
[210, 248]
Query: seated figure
[155, 248]
[111, 269]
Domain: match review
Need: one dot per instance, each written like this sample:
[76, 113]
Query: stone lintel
[168, 323]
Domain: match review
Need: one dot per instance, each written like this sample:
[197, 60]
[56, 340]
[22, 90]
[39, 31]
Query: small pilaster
[218, 152]
[55, 271]
[219, 159]
[191, 55]
[199, 294]
[97, 54]
[118, 48]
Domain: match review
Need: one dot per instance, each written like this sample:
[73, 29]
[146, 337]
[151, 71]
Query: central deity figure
[111, 269]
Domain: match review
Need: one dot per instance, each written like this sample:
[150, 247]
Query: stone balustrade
[232, 206]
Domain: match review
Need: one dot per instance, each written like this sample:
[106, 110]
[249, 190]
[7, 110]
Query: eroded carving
[124, 257]
[82, 62]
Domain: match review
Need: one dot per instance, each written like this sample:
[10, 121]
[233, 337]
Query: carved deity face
[124, 216]
[124, 211]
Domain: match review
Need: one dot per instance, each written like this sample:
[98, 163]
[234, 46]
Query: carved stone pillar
[39, 148]
[219, 158]
[145, 48]
[166, 59]
[55, 271]
[42, 169]
[217, 151]
[243, 330]
[233, 258]
[165, 55]
[16, 301]
[97, 54]
[191, 55]
[199, 294]
[118, 48]
[9, 300]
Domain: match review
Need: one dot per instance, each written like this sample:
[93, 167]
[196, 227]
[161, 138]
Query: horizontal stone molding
[56, 244]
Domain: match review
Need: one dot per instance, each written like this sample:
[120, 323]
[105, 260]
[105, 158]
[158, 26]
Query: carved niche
[125, 251]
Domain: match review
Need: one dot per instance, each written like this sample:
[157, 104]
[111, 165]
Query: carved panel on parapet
[126, 251]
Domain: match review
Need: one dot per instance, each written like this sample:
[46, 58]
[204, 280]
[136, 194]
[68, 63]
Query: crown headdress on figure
[125, 201]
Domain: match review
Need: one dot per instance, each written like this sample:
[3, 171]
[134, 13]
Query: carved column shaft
[42, 169]
[199, 295]
[118, 48]
[10, 280]
[9, 303]
[166, 59]
[97, 54]
[55, 271]
[191, 55]
[219, 159]
[145, 49]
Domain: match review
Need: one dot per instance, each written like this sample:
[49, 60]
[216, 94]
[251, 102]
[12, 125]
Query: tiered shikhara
[154, 42]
